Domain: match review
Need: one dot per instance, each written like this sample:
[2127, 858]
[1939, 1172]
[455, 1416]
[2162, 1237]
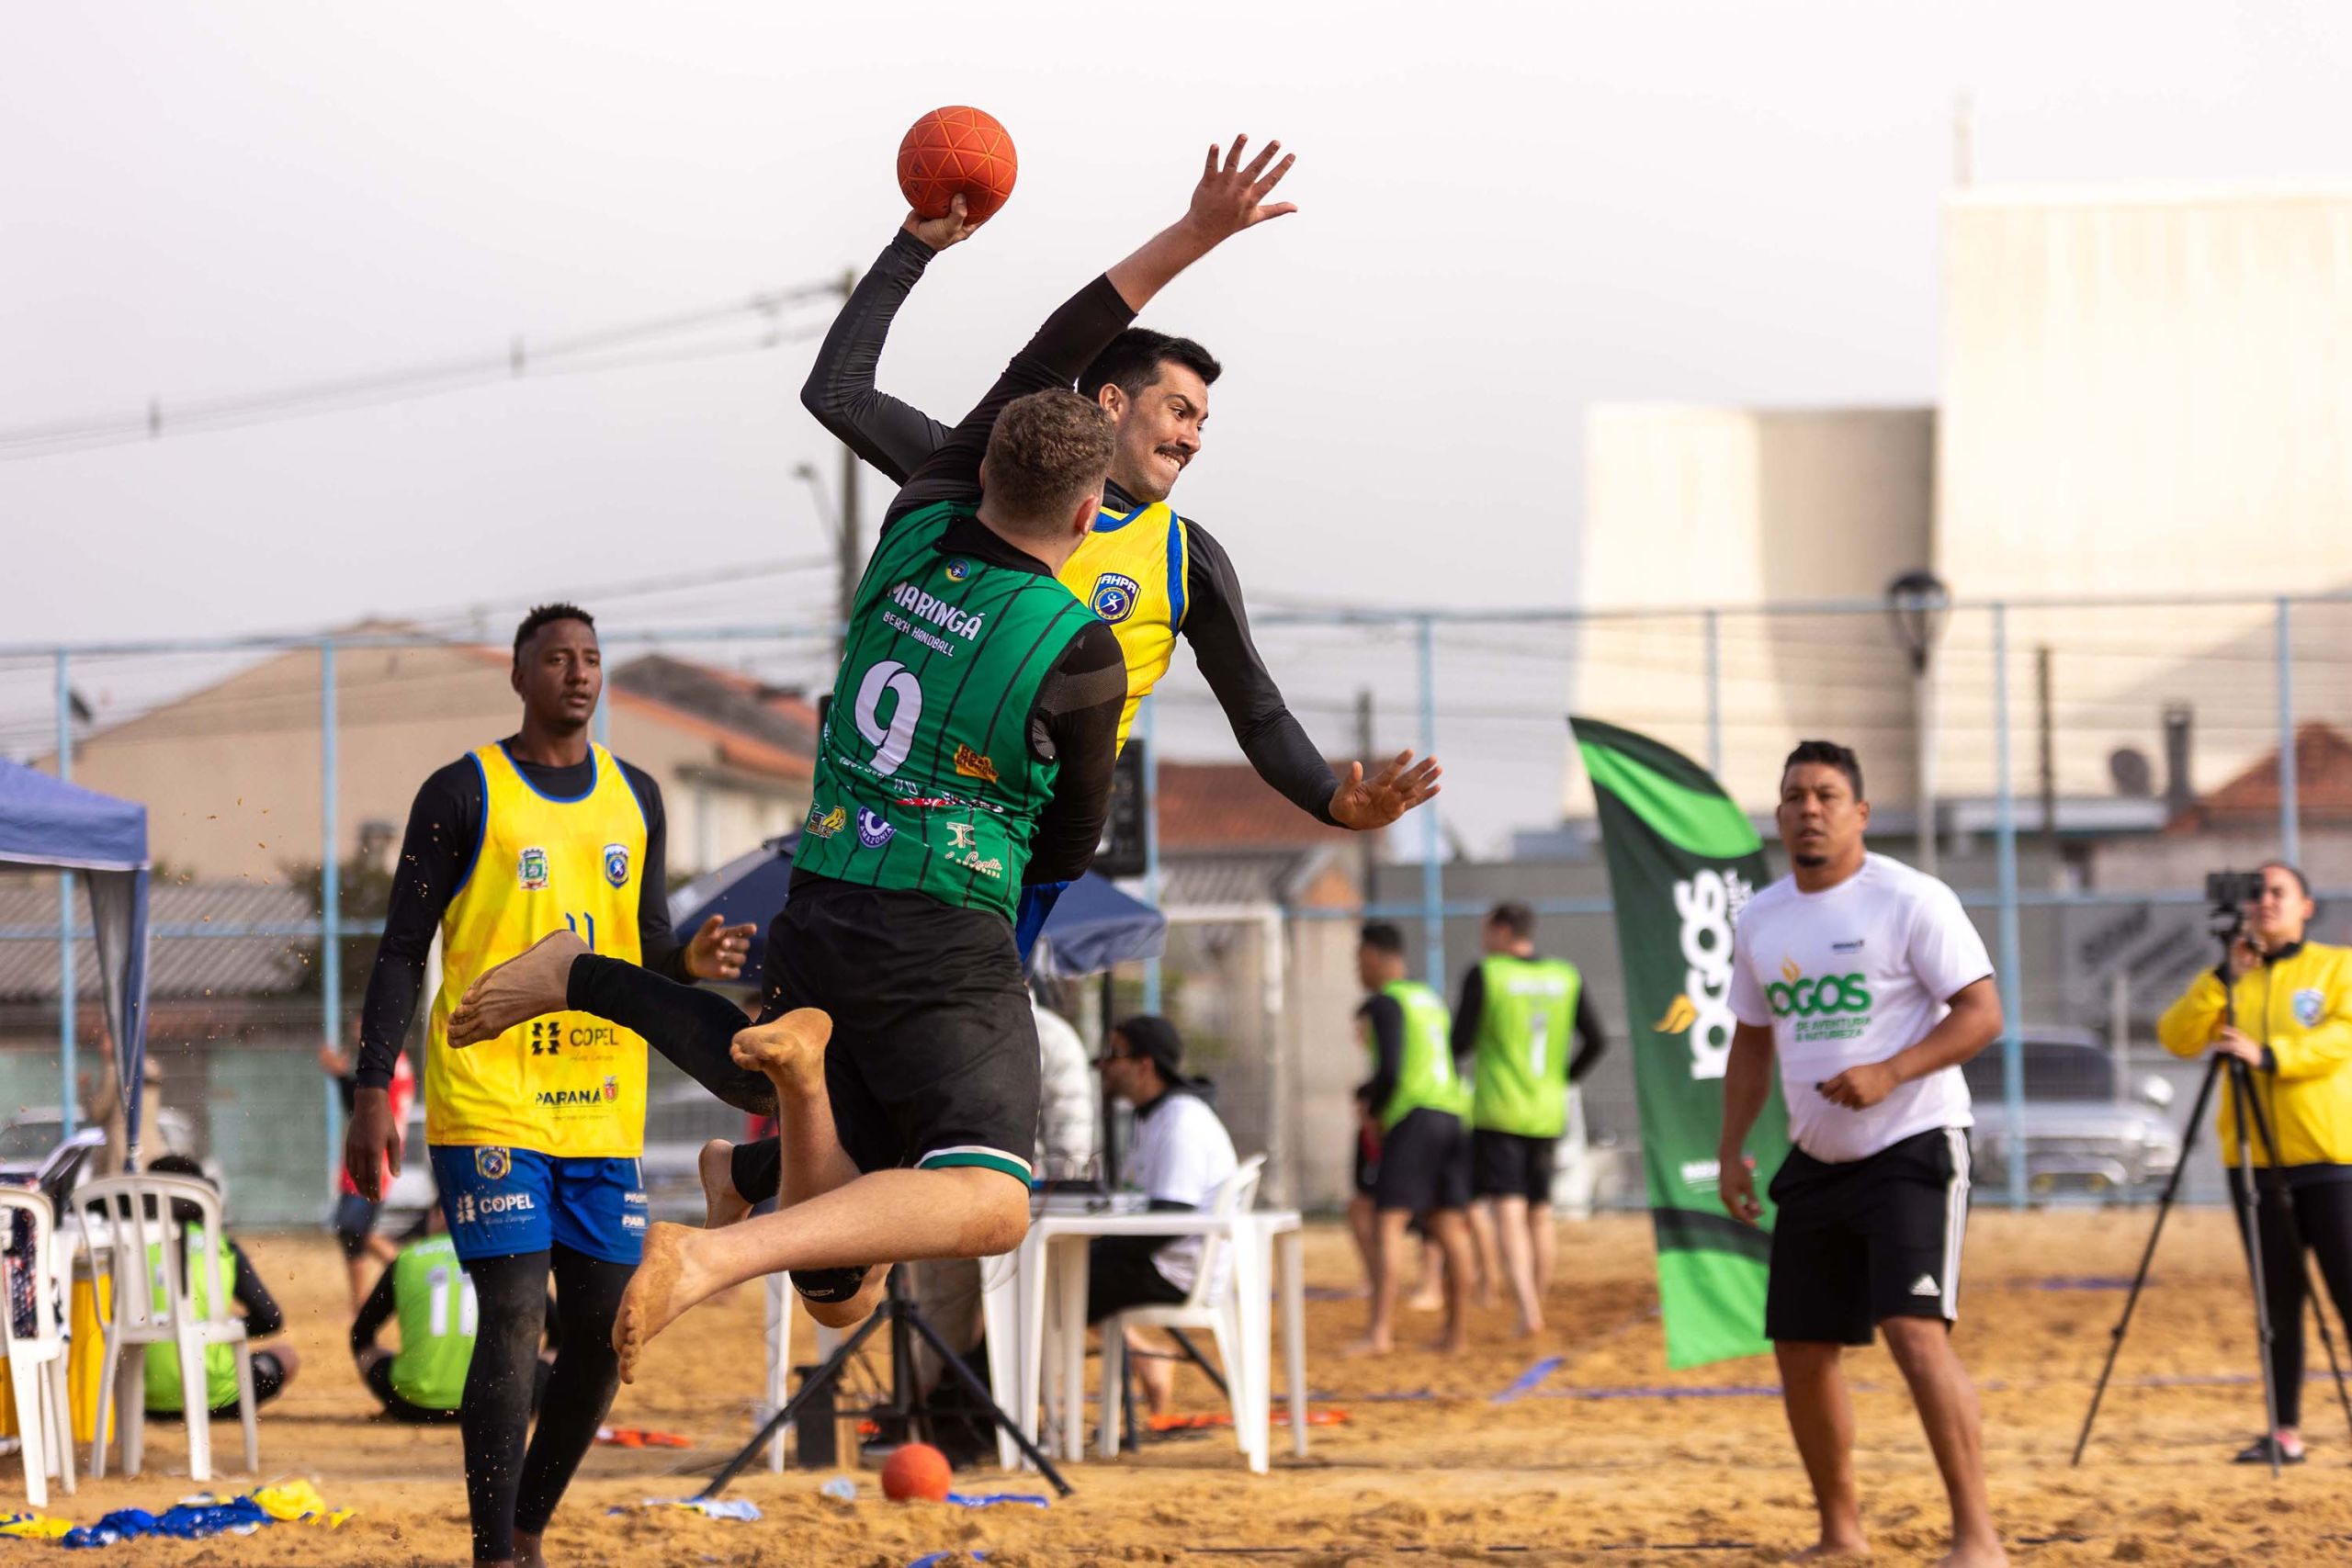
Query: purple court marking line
[1525, 1385]
[2084, 1283]
[1719, 1391]
[934, 1559]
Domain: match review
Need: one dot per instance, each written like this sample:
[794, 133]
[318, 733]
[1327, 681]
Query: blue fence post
[1432, 874]
[2291, 827]
[2012, 981]
[68, 986]
[330, 899]
[1148, 722]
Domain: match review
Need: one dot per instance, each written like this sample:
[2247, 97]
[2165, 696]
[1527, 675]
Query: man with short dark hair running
[1868, 981]
[534, 1136]
[967, 754]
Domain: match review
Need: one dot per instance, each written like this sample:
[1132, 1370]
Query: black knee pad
[829, 1285]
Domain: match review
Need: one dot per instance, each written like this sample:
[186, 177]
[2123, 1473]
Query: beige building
[231, 775]
[2145, 393]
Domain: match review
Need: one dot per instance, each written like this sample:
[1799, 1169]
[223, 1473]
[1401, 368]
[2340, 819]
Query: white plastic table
[1052, 1258]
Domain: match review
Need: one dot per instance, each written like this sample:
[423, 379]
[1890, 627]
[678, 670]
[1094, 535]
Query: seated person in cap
[274, 1365]
[427, 1292]
[1182, 1153]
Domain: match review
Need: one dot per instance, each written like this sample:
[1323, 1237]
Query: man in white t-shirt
[1869, 982]
[1180, 1155]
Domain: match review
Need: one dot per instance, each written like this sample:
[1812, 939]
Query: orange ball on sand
[916, 1471]
[958, 152]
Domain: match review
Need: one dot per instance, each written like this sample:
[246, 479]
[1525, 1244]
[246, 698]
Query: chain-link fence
[2081, 764]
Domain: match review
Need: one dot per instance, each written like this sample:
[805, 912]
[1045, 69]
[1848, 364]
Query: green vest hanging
[1425, 1075]
[164, 1360]
[435, 1302]
[1525, 1022]
[925, 780]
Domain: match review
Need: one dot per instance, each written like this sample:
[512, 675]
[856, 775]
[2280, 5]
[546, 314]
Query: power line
[583, 352]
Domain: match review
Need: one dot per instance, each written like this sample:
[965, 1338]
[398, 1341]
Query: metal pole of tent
[330, 898]
[2290, 828]
[1432, 875]
[1714, 693]
[68, 986]
[2012, 981]
[1148, 721]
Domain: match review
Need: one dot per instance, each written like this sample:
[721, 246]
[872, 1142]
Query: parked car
[2087, 1134]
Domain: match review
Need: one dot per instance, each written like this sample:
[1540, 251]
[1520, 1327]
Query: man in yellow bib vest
[534, 1135]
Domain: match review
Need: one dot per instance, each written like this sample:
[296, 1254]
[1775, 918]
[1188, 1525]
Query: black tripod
[2247, 1201]
[906, 1400]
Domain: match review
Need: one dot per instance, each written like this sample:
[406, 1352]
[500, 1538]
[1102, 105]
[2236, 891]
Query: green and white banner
[1682, 862]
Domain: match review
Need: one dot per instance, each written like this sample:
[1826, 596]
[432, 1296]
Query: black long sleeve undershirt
[264, 1316]
[1386, 1016]
[1591, 1039]
[445, 829]
[900, 439]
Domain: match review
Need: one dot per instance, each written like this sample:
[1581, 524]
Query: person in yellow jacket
[2283, 1006]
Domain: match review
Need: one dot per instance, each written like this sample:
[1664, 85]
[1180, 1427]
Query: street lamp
[1918, 605]
[844, 524]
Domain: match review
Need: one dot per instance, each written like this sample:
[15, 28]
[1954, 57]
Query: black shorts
[934, 1059]
[1858, 1243]
[1424, 1164]
[1120, 1274]
[1511, 1165]
[269, 1380]
[354, 1222]
[379, 1379]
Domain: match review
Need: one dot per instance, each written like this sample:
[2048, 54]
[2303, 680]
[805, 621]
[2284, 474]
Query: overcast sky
[1509, 212]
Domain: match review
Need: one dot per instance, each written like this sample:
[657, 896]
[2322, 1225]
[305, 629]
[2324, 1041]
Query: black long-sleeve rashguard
[445, 829]
[897, 438]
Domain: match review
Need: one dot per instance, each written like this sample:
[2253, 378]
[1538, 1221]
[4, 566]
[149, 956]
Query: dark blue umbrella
[1092, 927]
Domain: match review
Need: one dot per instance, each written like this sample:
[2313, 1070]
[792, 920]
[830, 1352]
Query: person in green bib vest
[1512, 1025]
[426, 1291]
[1417, 1103]
[274, 1365]
[967, 755]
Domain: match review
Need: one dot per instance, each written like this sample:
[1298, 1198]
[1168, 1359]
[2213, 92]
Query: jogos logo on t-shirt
[1831, 1007]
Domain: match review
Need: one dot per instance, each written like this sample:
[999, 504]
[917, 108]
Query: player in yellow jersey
[534, 1136]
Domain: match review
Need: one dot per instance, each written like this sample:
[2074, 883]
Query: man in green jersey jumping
[968, 750]
[1512, 1025]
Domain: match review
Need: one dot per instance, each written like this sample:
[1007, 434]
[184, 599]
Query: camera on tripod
[2227, 893]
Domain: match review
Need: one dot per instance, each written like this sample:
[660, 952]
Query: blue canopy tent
[47, 824]
[1094, 927]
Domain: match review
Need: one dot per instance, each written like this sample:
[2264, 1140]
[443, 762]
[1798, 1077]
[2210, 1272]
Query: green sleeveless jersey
[1520, 1075]
[924, 776]
[163, 1370]
[1425, 1075]
[435, 1302]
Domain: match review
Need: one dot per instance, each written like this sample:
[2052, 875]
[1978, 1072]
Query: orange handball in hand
[958, 152]
[916, 1471]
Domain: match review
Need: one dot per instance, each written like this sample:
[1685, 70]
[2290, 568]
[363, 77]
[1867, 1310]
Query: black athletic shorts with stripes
[1861, 1241]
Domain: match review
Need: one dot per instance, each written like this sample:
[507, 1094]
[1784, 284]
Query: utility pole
[2049, 764]
[852, 554]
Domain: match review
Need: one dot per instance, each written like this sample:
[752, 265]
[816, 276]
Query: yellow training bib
[565, 1084]
[1130, 572]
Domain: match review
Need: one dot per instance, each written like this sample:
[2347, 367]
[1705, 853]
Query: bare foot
[1452, 1343]
[721, 1205]
[664, 1285]
[791, 1051]
[1430, 1299]
[1977, 1554]
[1826, 1551]
[530, 984]
[1368, 1347]
[1527, 1328]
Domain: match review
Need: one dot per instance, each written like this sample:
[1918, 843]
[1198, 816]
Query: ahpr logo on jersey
[612, 1088]
[958, 569]
[617, 864]
[873, 829]
[491, 1165]
[2311, 1005]
[1115, 596]
[531, 869]
[825, 824]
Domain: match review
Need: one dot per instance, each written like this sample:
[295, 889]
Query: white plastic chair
[36, 1362]
[1210, 1304]
[126, 1223]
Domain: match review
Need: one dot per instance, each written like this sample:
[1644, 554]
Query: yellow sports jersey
[1130, 572]
[565, 1084]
